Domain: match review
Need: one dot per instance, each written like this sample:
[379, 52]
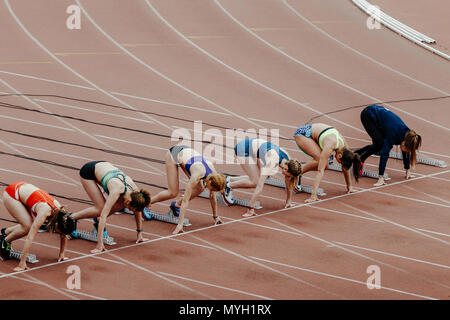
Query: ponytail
[412, 143]
[349, 159]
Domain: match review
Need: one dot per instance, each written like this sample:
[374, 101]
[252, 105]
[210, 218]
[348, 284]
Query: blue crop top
[195, 159]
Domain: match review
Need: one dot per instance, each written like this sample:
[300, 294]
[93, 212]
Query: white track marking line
[159, 235]
[37, 123]
[51, 287]
[48, 167]
[214, 285]
[60, 119]
[71, 251]
[38, 177]
[94, 111]
[303, 105]
[40, 45]
[321, 73]
[266, 267]
[159, 73]
[227, 223]
[392, 255]
[81, 158]
[330, 243]
[83, 294]
[47, 80]
[171, 104]
[131, 142]
[427, 194]
[206, 110]
[156, 274]
[438, 233]
[340, 277]
[413, 199]
[51, 54]
[360, 53]
[395, 223]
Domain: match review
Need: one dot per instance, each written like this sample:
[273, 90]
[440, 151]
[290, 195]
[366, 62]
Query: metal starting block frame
[281, 184]
[93, 236]
[365, 173]
[421, 160]
[169, 217]
[237, 201]
[31, 258]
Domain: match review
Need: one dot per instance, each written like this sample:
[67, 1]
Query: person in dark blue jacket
[386, 130]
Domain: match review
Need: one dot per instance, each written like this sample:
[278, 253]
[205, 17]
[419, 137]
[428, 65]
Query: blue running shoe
[105, 232]
[147, 214]
[175, 209]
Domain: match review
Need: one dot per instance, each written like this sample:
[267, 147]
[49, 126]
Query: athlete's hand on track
[21, 268]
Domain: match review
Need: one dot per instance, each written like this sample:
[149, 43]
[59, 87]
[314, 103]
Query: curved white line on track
[40, 45]
[267, 267]
[161, 74]
[224, 224]
[156, 274]
[214, 285]
[339, 277]
[326, 34]
[319, 72]
[303, 105]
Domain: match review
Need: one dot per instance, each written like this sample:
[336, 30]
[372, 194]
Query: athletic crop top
[195, 159]
[327, 132]
[266, 147]
[38, 196]
[114, 174]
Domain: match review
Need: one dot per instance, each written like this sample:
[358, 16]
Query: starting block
[93, 236]
[421, 160]
[365, 173]
[281, 184]
[31, 258]
[169, 217]
[237, 201]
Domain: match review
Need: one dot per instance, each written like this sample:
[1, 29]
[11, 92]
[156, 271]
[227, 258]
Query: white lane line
[230, 222]
[48, 167]
[330, 243]
[364, 283]
[156, 274]
[326, 34]
[131, 142]
[40, 45]
[434, 232]
[427, 194]
[392, 255]
[83, 294]
[267, 267]
[37, 177]
[413, 199]
[47, 80]
[303, 105]
[94, 111]
[158, 235]
[215, 286]
[394, 223]
[71, 251]
[37, 123]
[159, 73]
[225, 114]
[81, 158]
[320, 73]
[51, 287]
[171, 104]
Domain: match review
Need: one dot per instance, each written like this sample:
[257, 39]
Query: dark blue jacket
[394, 131]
